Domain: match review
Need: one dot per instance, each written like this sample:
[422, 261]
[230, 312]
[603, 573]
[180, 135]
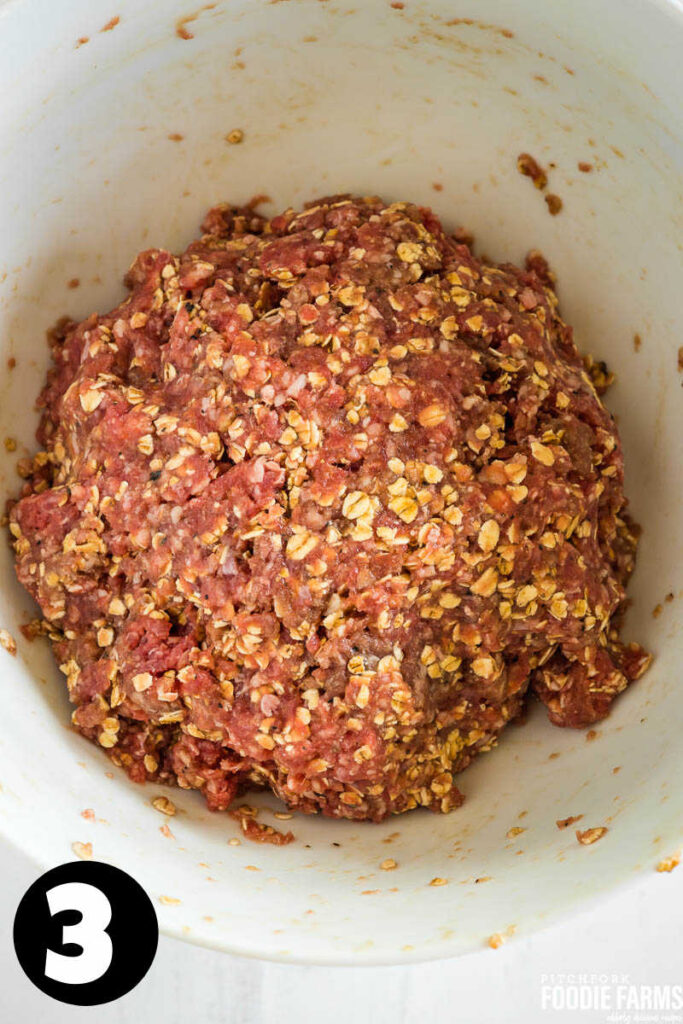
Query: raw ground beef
[319, 504]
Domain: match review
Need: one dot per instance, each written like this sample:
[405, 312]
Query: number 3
[96, 947]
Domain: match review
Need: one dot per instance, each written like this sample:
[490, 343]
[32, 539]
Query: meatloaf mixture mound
[319, 504]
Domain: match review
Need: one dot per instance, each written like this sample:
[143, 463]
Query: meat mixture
[319, 505]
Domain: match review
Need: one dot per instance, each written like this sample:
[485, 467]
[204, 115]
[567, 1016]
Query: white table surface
[635, 936]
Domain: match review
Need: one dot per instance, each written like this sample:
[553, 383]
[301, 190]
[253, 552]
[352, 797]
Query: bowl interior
[118, 143]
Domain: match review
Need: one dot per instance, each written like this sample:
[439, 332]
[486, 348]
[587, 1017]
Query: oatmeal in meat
[319, 505]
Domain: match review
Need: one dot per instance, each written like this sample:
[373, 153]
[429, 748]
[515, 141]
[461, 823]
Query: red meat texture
[319, 505]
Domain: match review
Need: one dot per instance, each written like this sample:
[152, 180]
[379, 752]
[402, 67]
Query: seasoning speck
[169, 901]
[669, 863]
[530, 168]
[82, 850]
[554, 203]
[571, 820]
[515, 831]
[8, 642]
[439, 881]
[389, 864]
[181, 29]
[235, 136]
[585, 167]
[111, 24]
[591, 835]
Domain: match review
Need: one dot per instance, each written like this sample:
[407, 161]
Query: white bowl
[369, 99]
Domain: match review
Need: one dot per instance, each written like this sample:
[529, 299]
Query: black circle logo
[85, 933]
